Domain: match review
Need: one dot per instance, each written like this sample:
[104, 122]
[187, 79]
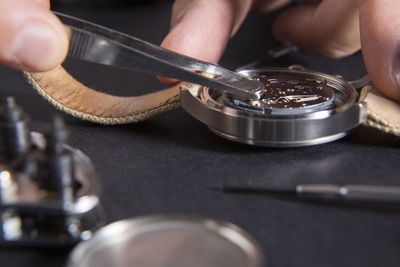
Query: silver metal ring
[300, 128]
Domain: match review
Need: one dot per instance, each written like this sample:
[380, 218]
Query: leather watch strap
[383, 113]
[72, 97]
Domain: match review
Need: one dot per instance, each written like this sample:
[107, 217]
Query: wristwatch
[297, 107]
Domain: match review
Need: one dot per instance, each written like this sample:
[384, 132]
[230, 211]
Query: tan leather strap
[72, 97]
[383, 113]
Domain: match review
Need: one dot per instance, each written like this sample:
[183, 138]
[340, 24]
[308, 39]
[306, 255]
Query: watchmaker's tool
[48, 190]
[326, 192]
[94, 43]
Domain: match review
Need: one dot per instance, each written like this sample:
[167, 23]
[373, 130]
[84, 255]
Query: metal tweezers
[97, 44]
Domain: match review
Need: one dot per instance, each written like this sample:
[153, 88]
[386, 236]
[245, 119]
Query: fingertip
[293, 26]
[39, 47]
[381, 44]
[327, 29]
[32, 37]
[194, 39]
[202, 30]
[385, 74]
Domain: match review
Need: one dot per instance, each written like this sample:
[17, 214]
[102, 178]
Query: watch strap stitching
[383, 113]
[376, 121]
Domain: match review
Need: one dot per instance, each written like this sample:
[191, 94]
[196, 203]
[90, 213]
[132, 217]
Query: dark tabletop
[169, 163]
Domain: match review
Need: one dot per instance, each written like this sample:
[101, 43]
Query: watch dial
[286, 94]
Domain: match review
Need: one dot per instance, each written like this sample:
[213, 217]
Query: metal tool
[353, 193]
[94, 43]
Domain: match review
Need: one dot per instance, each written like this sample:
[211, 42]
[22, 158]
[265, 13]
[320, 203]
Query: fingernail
[36, 46]
[396, 69]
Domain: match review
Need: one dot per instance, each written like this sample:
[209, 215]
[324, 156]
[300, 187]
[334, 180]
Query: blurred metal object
[164, 241]
[48, 190]
[14, 130]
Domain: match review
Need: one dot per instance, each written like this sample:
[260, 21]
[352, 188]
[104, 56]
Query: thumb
[31, 37]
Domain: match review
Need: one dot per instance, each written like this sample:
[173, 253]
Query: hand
[31, 37]
[325, 27]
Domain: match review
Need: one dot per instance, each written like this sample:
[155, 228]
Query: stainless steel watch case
[279, 127]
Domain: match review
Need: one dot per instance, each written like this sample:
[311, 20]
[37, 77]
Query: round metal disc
[164, 241]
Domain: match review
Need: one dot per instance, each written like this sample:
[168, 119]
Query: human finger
[324, 27]
[380, 36]
[31, 37]
[202, 28]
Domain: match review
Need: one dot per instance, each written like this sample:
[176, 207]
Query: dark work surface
[168, 164]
